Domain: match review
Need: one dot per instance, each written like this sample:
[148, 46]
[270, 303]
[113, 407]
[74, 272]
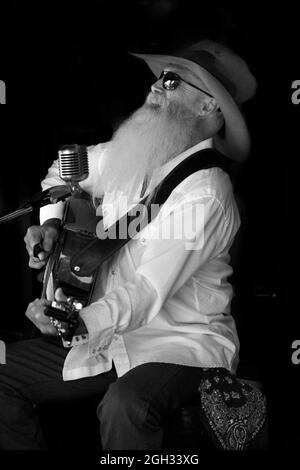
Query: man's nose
[157, 87]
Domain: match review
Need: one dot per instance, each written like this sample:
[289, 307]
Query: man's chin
[153, 106]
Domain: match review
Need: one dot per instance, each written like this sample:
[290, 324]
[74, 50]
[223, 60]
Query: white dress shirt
[162, 299]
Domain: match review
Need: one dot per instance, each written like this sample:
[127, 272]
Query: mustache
[155, 100]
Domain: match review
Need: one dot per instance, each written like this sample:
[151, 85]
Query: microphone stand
[49, 196]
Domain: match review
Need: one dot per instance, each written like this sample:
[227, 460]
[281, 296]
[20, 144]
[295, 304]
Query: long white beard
[150, 137]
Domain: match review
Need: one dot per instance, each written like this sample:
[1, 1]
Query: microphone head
[73, 163]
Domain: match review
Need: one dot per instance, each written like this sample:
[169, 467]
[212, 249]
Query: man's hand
[46, 236]
[61, 297]
[35, 313]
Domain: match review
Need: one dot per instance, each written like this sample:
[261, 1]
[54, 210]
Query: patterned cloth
[233, 411]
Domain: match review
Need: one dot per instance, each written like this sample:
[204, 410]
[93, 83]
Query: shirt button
[143, 241]
[113, 272]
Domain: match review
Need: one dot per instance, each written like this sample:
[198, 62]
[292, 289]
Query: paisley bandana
[233, 411]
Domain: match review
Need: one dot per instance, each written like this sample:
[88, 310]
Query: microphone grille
[73, 162]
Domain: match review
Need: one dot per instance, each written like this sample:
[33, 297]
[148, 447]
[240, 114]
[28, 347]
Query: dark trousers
[131, 408]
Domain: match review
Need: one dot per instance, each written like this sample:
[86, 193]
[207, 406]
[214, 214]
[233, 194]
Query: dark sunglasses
[171, 81]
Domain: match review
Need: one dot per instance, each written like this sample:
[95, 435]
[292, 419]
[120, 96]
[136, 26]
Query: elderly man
[160, 310]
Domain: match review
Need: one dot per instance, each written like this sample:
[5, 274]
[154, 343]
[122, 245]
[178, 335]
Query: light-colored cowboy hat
[223, 74]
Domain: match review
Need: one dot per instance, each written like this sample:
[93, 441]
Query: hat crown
[208, 61]
[225, 65]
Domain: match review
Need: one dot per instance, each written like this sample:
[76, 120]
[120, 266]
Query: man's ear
[207, 106]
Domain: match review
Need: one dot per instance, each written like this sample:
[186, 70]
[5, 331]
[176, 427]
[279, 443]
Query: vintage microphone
[73, 165]
[73, 168]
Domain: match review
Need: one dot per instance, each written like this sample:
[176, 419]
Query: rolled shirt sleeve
[52, 211]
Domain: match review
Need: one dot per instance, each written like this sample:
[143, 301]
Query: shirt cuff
[51, 211]
[76, 340]
[97, 318]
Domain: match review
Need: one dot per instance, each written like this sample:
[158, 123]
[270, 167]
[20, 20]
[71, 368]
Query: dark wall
[70, 79]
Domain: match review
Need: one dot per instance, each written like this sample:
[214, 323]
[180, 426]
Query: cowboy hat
[223, 74]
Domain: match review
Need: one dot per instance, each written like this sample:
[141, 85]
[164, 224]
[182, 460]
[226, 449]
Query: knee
[121, 400]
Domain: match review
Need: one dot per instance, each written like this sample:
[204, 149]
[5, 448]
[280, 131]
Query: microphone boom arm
[49, 196]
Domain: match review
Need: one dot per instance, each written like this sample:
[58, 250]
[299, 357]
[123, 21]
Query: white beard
[150, 137]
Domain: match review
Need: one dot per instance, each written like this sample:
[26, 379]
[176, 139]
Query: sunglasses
[171, 81]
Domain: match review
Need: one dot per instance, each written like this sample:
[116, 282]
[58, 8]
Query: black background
[69, 79]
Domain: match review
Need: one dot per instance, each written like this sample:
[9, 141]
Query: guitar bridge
[64, 316]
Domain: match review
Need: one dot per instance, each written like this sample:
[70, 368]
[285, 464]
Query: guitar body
[78, 229]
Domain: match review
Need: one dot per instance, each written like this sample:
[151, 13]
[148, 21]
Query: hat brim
[237, 142]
